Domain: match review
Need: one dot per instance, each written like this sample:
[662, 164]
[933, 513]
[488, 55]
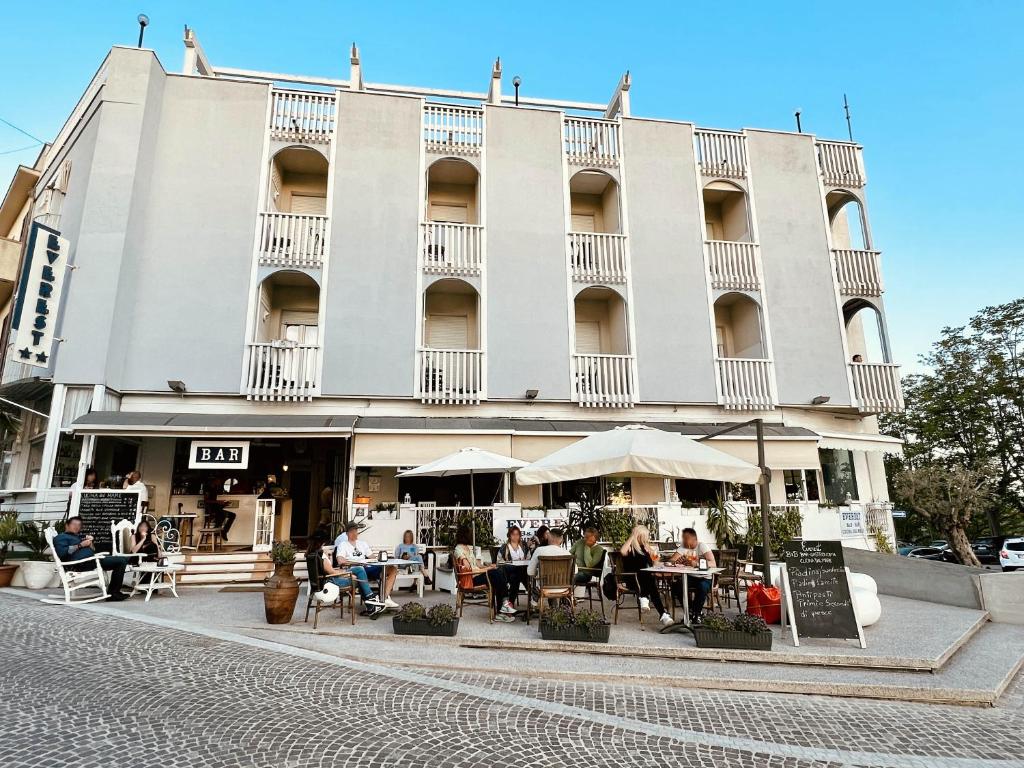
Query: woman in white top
[514, 551]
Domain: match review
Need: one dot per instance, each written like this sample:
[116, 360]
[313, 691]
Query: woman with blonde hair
[638, 553]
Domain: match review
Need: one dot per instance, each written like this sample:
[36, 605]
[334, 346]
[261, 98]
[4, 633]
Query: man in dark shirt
[73, 545]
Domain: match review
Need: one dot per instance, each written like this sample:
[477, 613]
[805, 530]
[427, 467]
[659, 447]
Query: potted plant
[38, 569]
[10, 532]
[584, 626]
[745, 632]
[281, 589]
[414, 619]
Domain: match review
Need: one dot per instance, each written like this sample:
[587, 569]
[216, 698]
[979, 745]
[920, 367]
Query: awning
[854, 441]
[229, 424]
[26, 390]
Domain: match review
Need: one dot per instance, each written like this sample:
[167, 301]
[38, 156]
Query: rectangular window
[838, 475]
[588, 337]
[583, 222]
[309, 205]
[801, 484]
[447, 332]
[448, 213]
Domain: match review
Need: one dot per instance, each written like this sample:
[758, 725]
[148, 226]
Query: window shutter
[447, 332]
[588, 338]
[453, 214]
[583, 222]
[309, 205]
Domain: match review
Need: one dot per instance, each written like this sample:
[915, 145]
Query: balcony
[303, 116]
[604, 381]
[721, 153]
[452, 249]
[451, 129]
[733, 265]
[876, 387]
[596, 257]
[746, 383]
[591, 142]
[292, 240]
[859, 272]
[841, 164]
[282, 370]
[450, 376]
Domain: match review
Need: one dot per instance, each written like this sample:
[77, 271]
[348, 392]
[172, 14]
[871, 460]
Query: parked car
[934, 553]
[904, 548]
[1011, 556]
[939, 544]
[986, 548]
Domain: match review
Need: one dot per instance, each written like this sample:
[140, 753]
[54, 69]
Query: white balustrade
[452, 248]
[305, 116]
[733, 265]
[450, 376]
[746, 383]
[604, 380]
[859, 272]
[292, 239]
[282, 370]
[448, 128]
[841, 164]
[721, 153]
[597, 256]
[876, 387]
[591, 142]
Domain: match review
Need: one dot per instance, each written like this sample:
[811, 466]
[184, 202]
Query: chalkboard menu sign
[98, 509]
[817, 591]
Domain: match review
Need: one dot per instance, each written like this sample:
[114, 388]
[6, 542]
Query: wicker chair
[464, 585]
[317, 578]
[553, 581]
[595, 583]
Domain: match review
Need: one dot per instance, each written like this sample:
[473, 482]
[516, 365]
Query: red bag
[765, 602]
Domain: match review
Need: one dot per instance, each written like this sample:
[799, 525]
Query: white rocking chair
[156, 576]
[74, 580]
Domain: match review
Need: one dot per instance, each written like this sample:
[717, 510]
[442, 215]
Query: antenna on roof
[797, 116]
[846, 109]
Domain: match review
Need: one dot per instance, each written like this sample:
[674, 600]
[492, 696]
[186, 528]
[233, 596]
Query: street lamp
[143, 23]
[516, 81]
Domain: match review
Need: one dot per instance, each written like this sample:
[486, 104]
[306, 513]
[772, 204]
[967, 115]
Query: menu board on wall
[98, 509]
[817, 591]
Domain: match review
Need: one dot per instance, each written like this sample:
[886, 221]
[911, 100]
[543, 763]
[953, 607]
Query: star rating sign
[41, 357]
[25, 353]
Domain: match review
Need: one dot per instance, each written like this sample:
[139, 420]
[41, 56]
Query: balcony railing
[282, 370]
[452, 249]
[604, 381]
[591, 142]
[721, 153]
[302, 116]
[859, 272]
[746, 383]
[292, 239]
[876, 387]
[841, 164]
[597, 257]
[450, 376]
[733, 265]
[453, 129]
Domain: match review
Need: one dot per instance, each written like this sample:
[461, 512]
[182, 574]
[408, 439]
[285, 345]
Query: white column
[53, 425]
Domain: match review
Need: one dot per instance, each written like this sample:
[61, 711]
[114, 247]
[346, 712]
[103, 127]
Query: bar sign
[219, 454]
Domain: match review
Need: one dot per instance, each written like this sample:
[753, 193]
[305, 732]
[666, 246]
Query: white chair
[72, 580]
[147, 577]
[413, 574]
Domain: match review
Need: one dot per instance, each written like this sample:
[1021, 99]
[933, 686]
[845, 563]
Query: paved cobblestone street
[81, 687]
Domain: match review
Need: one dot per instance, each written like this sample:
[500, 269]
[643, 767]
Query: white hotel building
[356, 277]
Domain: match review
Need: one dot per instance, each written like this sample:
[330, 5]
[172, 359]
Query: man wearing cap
[350, 551]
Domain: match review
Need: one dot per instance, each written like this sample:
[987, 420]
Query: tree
[948, 498]
[967, 411]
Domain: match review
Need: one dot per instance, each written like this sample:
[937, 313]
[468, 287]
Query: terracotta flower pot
[280, 591]
[6, 574]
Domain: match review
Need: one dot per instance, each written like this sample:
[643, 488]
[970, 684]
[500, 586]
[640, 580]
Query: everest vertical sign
[35, 312]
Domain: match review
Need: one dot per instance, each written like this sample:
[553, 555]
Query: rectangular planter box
[598, 634]
[424, 627]
[743, 641]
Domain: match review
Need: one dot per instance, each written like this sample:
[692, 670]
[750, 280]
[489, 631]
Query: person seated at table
[343, 576]
[469, 570]
[553, 548]
[144, 542]
[638, 553]
[73, 545]
[690, 553]
[513, 553]
[588, 555]
[408, 550]
[216, 510]
[539, 539]
[350, 550]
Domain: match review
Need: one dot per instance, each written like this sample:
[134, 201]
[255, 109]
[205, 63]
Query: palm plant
[722, 523]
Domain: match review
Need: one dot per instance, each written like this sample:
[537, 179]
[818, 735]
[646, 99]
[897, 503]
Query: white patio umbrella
[639, 451]
[466, 461]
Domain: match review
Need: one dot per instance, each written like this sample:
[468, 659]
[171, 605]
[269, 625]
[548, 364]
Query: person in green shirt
[589, 557]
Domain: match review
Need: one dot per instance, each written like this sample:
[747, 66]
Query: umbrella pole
[472, 508]
[766, 519]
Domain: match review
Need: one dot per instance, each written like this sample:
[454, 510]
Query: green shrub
[752, 625]
[282, 553]
[411, 612]
[441, 614]
[716, 622]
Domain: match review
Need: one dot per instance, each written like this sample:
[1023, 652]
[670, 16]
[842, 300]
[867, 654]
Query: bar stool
[210, 533]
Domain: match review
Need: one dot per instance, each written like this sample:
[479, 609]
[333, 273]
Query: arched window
[601, 322]
[288, 309]
[452, 192]
[298, 182]
[594, 203]
[451, 318]
[726, 214]
[739, 331]
[847, 222]
[865, 333]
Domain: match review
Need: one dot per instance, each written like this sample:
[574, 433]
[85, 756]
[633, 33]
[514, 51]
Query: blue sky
[934, 89]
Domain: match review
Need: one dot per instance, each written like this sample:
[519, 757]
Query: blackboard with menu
[98, 509]
[817, 591]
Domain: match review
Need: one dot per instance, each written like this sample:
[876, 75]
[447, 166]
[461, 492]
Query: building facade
[355, 277]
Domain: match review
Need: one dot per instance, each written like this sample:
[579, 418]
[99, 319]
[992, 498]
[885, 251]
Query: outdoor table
[683, 571]
[397, 562]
